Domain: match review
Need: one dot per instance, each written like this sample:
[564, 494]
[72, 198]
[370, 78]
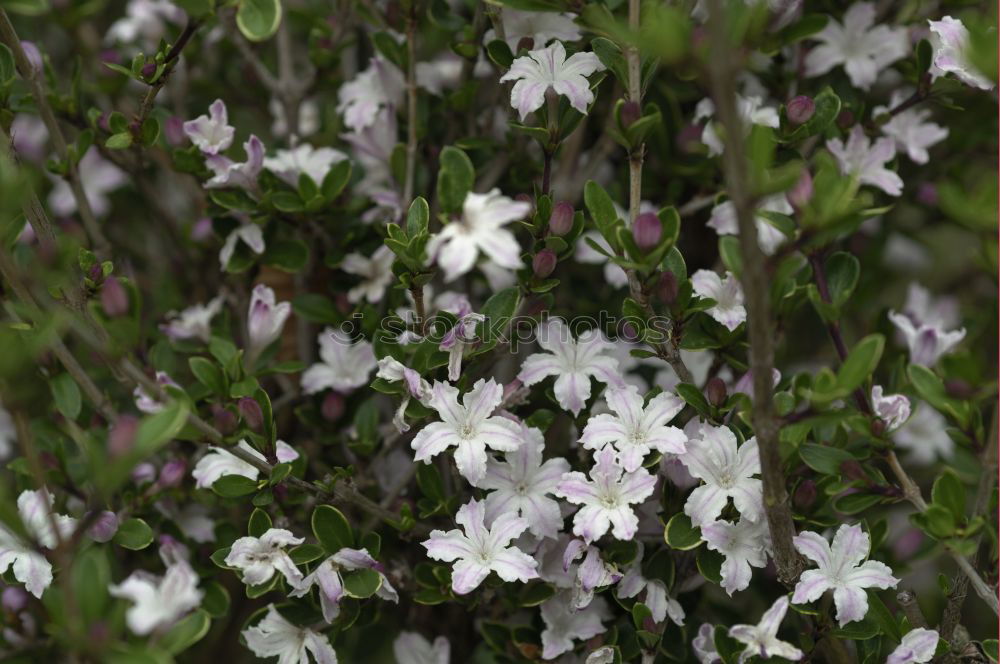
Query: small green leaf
[67, 395]
[456, 178]
[842, 270]
[119, 141]
[158, 429]
[260, 523]
[860, 362]
[332, 529]
[234, 486]
[823, 458]
[417, 217]
[208, 374]
[134, 534]
[693, 396]
[949, 493]
[258, 19]
[681, 534]
[185, 633]
[361, 583]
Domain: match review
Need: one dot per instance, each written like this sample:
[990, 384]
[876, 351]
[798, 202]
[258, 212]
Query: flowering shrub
[529, 330]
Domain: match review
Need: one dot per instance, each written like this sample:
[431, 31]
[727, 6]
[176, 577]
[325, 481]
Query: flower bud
[715, 391]
[122, 435]
[647, 231]
[225, 420]
[526, 43]
[148, 70]
[629, 333]
[96, 273]
[144, 473]
[927, 194]
[34, 55]
[544, 263]
[878, 427]
[13, 599]
[333, 407]
[801, 193]
[265, 319]
[561, 219]
[800, 109]
[667, 288]
[959, 389]
[805, 494]
[251, 413]
[114, 299]
[630, 114]
[845, 119]
[104, 527]
[852, 470]
[172, 473]
[173, 130]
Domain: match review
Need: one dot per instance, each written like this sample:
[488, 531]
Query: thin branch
[907, 601]
[169, 62]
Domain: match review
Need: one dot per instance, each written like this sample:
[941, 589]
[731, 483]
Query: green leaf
[332, 529]
[990, 648]
[287, 255]
[842, 270]
[417, 217]
[932, 390]
[681, 534]
[456, 178]
[499, 52]
[67, 395]
[361, 583]
[216, 601]
[134, 534]
[26, 7]
[883, 616]
[601, 208]
[187, 632]
[234, 486]
[119, 141]
[306, 553]
[860, 362]
[693, 396]
[91, 578]
[258, 19]
[949, 493]
[336, 180]
[498, 311]
[823, 458]
[7, 69]
[535, 594]
[209, 374]
[158, 429]
[260, 523]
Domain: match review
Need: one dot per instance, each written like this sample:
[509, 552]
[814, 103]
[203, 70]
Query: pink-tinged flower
[522, 485]
[412, 648]
[724, 222]
[249, 233]
[98, 177]
[540, 27]
[728, 472]
[745, 383]
[704, 645]
[31, 567]
[344, 366]
[864, 49]
[549, 67]
[751, 111]
[840, 569]
[587, 576]
[158, 602]
[918, 646]
[926, 309]
[745, 544]
[265, 319]
[862, 159]
[634, 430]
[145, 402]
[327, 577]
[468, 427]
[442, 73]
[461, 336]
[392, 370]
[565, 624]
[910, 130]
[573, 361]
[260, 558]
[660, 604]
[728, 309]
[30, 137]
[375, 272]
[380, 85]
[762, 639]
[927, 342]
[479, 551]
[195, 322]
[950, 40]
[145, 22]
[925, 436]
[219, 462]
[372, 148]
[607, 498]
[228, 173]
[274, 636]
[894, 409]
[456, 248]
[303, 159]
[211, 133]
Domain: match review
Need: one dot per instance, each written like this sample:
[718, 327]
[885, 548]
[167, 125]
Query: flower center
[467, 431]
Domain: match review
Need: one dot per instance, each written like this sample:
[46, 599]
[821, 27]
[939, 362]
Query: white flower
[327, 576]
[228, 173]
[573, 362]
[864, 160]
[457, 246]
[303, 159]
[468, 427]
[412, 648]
[146, 403]
[584, 253]
[220, 462]
[769, 238]
[660, 604]
[98, 177]
[927, 342]
[345, 364]
[376, 274]
[275, 636]
[894, 409]
[751, 111]
[158, 602]
[392, 370]
[211, 133]
[195, 322]
[762, 639]
[744, 544]
[926, 309]
[461, 336]
[727, 293]
[564, 623]
[31, 567]
[249, 233]
[540, 27]
[260, 558]
[727, 472]
[442, 73]
[265, 319]
[607, 498]
[549, 67]
[841, 570]
[603, 655]
[479, 551]
[522, 483]
[909, 129]
[380, 85]
[704, 645]
[591, 574]
[864, 49]
[925, 436]
[634, 431]
[950, 40]
[145, 21]
[918, 646]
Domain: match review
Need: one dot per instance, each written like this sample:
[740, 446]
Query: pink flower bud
[647, 231]
[667, 288]
[13, 599]
[172, 474]
[526, 43]
[34, 55]
[173, 130]
[121, 438]
[201, 230]
[544, 263]
[801, 193]
[251, 413]
[96, 273]
[800, 109]
[715, 391]
[927, 194]
[148, 70]
[114, 299]
[561, 220]
[144, 473]
[805, 494]
[225, 420]
[332, 407]
[878, 427]
[852, 470]
[630, 113]
[104, 527]
[846, 119]
[265, 319]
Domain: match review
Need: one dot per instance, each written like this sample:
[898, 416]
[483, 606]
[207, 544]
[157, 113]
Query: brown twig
[169, 62]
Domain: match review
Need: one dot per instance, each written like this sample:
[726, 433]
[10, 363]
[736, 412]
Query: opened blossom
[477, 550]
[745, 544]
[265, 319]
[380, 85]
[925, 436]
[470, 427]
[728, 472]
[413, 648]
[328, 578]
[242, 175]
[539, 27]
[549, 68]
[727, 293]
[927, 342]
[303, 159]
[751, 111]
[587, 576]
[98, 177]
[724, 222]
[460, 337]
[656, 598]
[345, 364]
[44, 526]
[274, 636]
[761, 640]
[211, 133]
[392, 370]
[950, 41]
[194, 322]
[260, 558]
[145, 402]
[159, 602]
[893, 409]
[636, 429]
[565, 624]
[842, 568]
[917, 646]
[219, 462]
[375, 272]
[910, 129]
[865, 160]
[247, 233]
